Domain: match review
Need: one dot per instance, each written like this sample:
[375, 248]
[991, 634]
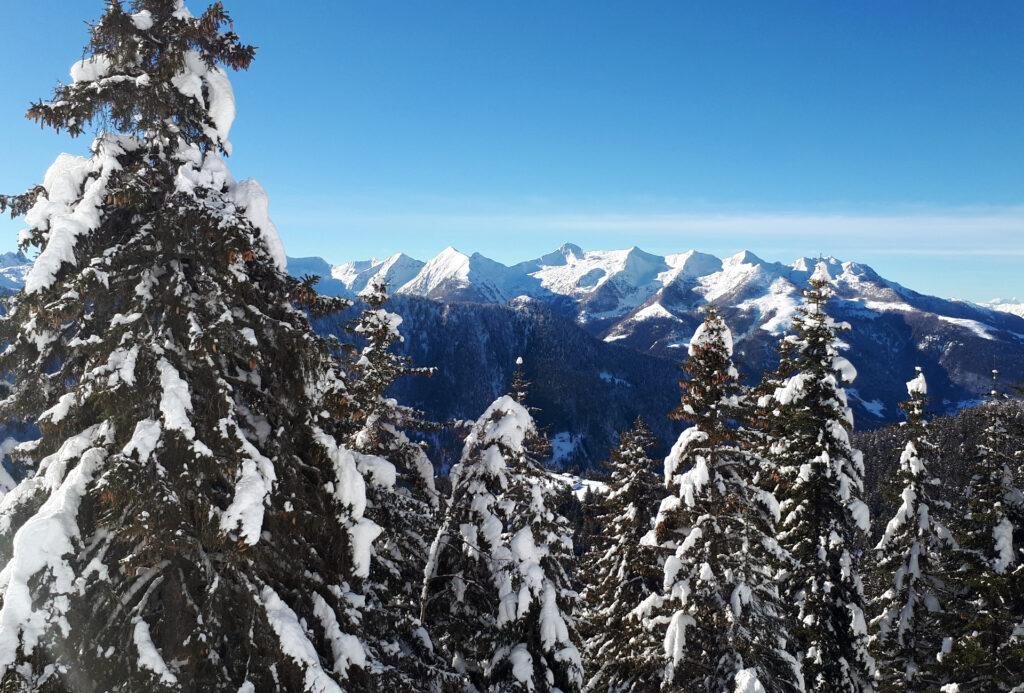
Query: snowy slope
[455, 276]
[396, 271]
[350, 278]
[1006, 307]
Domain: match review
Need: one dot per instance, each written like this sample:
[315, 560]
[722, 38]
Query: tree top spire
[156, 73]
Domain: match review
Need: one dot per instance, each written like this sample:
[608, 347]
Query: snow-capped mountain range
[13, 268]
[614, 292]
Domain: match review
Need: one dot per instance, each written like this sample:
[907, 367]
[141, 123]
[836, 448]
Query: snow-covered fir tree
[498, 591]
[725, 627]
[985, 650]
[520, 387]
[912, 555]
[189, 520]
[824, 519]
[404, 504]
[621, 570]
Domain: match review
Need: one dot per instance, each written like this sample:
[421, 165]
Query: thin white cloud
[961, 225]
[1009, 222]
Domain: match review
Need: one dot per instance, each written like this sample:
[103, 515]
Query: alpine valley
[603, 333]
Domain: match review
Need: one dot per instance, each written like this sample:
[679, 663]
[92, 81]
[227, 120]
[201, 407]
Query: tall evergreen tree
[403, 503]
[912, 557]
[189, 520]
[622, 570]
[819, 488]
[985, 650]
[497, 589]
[725, 620]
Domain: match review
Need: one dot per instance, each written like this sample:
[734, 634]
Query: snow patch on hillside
[972, 325]
[563, 446]
[579, 485]
[614, 380]
[875, 407]
[655, 311]
[775, 309]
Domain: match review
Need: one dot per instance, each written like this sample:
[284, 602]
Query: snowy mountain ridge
[620, 287]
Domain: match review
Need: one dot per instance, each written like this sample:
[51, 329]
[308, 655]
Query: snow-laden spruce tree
[497, 591]
[725, 624]
[621, 571]
[985, 650]
[912, 556]
[404, 506]
[823, 517]
[188, 520]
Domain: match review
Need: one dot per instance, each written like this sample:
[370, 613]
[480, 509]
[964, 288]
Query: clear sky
[887, 132]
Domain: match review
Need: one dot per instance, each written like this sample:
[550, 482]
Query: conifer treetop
[622, 569]
[520, 387]
[155, 73]
[497, 579]
[153, 79]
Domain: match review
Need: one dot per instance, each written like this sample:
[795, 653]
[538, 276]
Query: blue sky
[887, 132]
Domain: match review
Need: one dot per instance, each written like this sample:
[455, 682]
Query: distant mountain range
[611, 292]
[639, 311]
[604, 331]
[13, 268]
[1007, 307]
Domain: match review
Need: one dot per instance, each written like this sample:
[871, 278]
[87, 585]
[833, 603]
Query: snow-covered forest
[215, 497]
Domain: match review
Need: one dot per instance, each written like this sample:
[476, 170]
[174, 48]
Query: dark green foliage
[911, 560]
[725, 619]
[155, 108]
[985, 617]
[405, 510]
[820, 480]
[622, 571]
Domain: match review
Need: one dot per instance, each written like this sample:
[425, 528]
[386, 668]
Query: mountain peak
[744, 257]
[14, 259]
[638, 252]
[570, 249]
[453, 274]
[690, 265]
[808, 263]
[450, 252]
